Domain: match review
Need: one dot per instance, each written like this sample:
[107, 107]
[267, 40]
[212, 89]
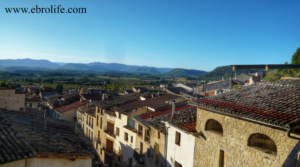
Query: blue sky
[193, 34]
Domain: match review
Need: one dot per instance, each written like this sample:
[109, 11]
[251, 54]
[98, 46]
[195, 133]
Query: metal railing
[147, 139]
[293, 160]
[109, 150]
[140, 158]
[110, 133]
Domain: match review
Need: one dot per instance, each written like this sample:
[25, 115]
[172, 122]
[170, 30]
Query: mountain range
[42, 65]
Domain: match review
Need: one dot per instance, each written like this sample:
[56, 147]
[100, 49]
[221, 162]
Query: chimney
[80, 99]
[235, 75]
[45, 120]
[103, 97]
[173, 108]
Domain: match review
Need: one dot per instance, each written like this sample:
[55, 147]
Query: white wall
[49, 162]
[183, 154]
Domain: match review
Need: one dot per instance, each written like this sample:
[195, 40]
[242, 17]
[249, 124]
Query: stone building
[33, 101]
[256, 125]
[105, 130]
[12, 100]
[155, 154]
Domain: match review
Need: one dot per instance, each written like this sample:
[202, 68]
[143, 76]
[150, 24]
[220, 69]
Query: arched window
[263, 143]
[213, 125]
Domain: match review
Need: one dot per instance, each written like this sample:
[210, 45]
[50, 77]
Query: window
[101, 123]
[21, 109]
[117, 131]
[158, 134]
[213, 125]
[177, 139]
[97, 120]
[98, 135]
[131, 139]
[120, 115]
[92, 135]
[126, 136]
[140, 131]
[177, 164]
[262, 143]
[221, 159]
[101, 151]
[147, 136]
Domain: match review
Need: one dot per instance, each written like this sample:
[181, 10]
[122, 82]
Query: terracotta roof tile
[65, 108]
[273, 103]
[35, 98]
[22, 136]
[163, 112]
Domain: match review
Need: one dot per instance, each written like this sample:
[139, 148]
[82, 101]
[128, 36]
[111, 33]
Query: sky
[191, 34]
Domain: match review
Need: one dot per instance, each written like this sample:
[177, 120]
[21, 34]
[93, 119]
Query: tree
[37, 92]
[272, 76]
[296, 60]
[3, 84]
[59, 88]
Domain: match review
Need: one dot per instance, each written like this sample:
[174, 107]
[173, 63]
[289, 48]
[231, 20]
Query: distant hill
[223, 71]
[20, 68]
[179, 72]
[124, 67]
[60, 63]
[28, 63]
[78, 66]
[150, 70]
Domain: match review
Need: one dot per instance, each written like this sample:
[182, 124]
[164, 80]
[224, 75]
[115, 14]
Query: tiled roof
[155, 103]
[13, 145]
[272, 103]
[142, 89]
[35, 98]
[44, 94]
[22, 137]
[176, 90]
[163, 112]
[68, 107]
[183, 114]
[107, 104]
[88, 110]
[183, 119]
[93, 96]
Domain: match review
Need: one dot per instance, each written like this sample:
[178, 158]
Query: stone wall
[234, 142]
[161, 142]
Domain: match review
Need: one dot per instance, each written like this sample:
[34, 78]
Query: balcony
[110, 133]
[109, 150]
[140, 158]
[293, 159]
[140, 133]
[147, 139]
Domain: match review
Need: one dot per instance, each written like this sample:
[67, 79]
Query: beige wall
[69, 115]
[50, 162]
[33, 104]
[234, 143]
[161, 142]
[12, 101]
